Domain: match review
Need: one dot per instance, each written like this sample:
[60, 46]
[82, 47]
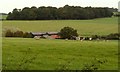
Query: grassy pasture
[100, 26]
[45, 54]
[31, 54]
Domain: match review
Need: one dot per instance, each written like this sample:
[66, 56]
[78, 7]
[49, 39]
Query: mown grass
[100, 26]
[45, 54]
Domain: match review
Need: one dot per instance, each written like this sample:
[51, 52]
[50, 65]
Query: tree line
[65, 33]
[21, 34]
[66, 12]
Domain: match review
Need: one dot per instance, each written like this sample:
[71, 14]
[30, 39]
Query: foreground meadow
[45, 54]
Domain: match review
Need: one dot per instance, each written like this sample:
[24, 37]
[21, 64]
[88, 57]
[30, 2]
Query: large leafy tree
[15, 15]
[68, 33]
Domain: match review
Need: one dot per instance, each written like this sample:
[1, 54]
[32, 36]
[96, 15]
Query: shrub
[95, 37]
[28, 35]
[9, 33]
[113, 36]
[103, 37]
[18, 34]
[68, 33]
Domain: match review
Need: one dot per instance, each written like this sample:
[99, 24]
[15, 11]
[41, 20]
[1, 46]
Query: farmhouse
[50, 35]
[54, 35]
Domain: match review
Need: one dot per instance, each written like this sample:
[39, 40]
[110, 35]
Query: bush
[113, 36]
[28, 35]
[9, 33]
[103, 37]
[95, 37]
[68, 33]
[18, 34]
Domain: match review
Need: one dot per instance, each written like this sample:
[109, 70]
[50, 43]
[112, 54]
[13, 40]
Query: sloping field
[101, 26]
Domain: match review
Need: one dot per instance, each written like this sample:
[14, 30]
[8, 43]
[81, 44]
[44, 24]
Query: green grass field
[45, 54]
[100, 26]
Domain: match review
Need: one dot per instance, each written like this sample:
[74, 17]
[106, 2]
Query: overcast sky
[8, 5]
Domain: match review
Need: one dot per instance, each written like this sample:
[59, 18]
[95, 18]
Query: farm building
[38, 33]
[55, 36]
[51, 35]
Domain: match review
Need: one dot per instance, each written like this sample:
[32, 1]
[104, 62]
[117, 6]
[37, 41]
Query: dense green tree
[15, 15]
[68, 33]
[28, 14]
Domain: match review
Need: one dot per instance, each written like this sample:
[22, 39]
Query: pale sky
[8, 5]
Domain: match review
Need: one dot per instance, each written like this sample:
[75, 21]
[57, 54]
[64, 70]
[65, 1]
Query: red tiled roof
[55, 36]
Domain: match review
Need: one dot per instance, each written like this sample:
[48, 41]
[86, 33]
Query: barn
[52, 35]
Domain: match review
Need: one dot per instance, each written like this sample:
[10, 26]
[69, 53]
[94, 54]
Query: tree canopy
[68, 33]
[53, 13]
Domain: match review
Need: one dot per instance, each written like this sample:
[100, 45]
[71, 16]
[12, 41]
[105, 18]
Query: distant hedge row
[112, 36]
[18, 33]
[66, 12]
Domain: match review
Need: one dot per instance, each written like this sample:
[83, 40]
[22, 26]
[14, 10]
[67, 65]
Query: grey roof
[43, 33]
